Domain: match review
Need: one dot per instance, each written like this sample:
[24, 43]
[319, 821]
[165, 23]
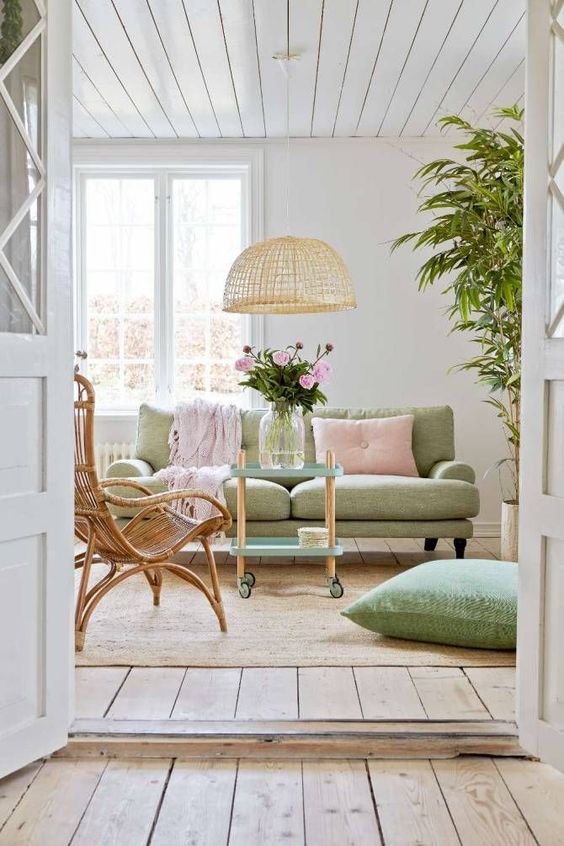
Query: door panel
[22, 635]
[21, 446]
[36, 439]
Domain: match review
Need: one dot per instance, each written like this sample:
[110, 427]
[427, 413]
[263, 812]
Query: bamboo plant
[11, 28]
[476, 239]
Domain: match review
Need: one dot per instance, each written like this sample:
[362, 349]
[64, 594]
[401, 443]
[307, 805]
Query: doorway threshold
[263, 739]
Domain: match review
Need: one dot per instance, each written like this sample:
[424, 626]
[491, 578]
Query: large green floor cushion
[365, 497]
[460, 603]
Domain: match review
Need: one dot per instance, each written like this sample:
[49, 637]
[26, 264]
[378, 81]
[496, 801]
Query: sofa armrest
[452, 470]
[129, 468]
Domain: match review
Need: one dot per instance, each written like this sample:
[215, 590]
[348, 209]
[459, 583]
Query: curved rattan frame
[146, 543]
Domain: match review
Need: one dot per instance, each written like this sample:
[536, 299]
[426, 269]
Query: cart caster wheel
[335, 588]
[244, 589]
[250, 579]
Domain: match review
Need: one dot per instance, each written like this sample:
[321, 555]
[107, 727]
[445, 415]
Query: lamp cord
[288, 117]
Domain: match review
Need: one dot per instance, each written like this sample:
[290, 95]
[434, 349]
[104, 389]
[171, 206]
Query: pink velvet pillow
[381, 446]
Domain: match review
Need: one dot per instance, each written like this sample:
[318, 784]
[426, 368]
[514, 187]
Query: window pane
[206, 238]
[119, 266]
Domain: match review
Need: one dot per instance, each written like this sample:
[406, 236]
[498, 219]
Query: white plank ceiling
[204, 68]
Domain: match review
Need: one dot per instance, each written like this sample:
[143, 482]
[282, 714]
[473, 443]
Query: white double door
[36, 439]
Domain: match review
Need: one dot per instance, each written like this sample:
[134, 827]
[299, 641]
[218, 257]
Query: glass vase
[282, 437]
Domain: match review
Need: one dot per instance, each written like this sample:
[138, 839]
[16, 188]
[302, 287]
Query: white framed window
[153, 246]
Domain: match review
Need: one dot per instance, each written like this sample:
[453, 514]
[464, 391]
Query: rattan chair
[146, 543]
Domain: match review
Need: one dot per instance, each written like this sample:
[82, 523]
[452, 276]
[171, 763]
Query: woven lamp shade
[287, 276]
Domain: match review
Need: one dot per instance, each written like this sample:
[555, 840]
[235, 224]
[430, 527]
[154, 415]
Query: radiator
[107, 453]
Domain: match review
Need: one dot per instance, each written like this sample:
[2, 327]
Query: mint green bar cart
[243, 547]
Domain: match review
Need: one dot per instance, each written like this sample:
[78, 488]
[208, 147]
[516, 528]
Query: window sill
[111, 415]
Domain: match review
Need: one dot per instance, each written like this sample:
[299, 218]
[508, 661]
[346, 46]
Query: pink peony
[281, 357]
[245, 363]
[307, 381]
[322, 371]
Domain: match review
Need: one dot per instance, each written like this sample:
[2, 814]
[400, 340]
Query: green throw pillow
[461, 603]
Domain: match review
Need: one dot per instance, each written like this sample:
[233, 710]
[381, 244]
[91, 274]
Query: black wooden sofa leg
[459, 547]
[430, 544]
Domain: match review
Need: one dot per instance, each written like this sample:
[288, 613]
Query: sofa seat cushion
[463, 603]
[265, 500]
[364, 497]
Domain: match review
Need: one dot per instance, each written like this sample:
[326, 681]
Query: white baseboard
[486, 530]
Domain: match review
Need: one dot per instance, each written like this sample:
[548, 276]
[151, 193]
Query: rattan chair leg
[215, 582]
[155, 580]
[101, 589]
[193, 579]
[84, 578]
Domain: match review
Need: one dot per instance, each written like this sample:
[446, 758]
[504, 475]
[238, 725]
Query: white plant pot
[509, 531]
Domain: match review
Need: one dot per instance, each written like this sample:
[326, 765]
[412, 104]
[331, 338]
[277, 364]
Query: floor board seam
[79, 823]
[161, 800]
[517, 805]
[118, 691]
[447, 806]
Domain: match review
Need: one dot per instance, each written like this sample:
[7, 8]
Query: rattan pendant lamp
[288, 275]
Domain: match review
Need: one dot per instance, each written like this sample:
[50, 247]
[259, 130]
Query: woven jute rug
[290, 620]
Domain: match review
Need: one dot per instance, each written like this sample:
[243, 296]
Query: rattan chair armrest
[124, 483]
[170, 496]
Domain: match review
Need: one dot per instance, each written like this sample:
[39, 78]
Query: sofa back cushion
[380, 446]
[153, 426]
[433, 432]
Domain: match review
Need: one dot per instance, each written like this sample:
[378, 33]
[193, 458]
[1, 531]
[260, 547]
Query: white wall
[395, 348]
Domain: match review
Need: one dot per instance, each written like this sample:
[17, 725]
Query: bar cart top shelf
[255, 471]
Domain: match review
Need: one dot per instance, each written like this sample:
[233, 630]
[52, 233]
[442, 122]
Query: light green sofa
[438, 504]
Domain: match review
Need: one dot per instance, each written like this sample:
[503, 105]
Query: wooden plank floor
[471, 801]
[308, 693]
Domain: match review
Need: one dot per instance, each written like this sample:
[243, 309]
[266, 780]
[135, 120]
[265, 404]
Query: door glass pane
[558, 91]
[556, 252]
[556, 259]
[18, 174]
[206, 239]
[13, 317]
[119, 265]
[24, 87]
[23, 253]
[22, 18]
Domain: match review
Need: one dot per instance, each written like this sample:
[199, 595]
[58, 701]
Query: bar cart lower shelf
[265, 547]
[259, 547]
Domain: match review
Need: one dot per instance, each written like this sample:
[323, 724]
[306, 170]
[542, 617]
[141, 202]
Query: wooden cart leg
[335, 588]
[245, 581]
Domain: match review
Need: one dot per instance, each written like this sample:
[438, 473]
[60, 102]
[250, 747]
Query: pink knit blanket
[204, 440]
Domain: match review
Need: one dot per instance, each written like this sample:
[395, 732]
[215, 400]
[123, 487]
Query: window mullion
[163, 370]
